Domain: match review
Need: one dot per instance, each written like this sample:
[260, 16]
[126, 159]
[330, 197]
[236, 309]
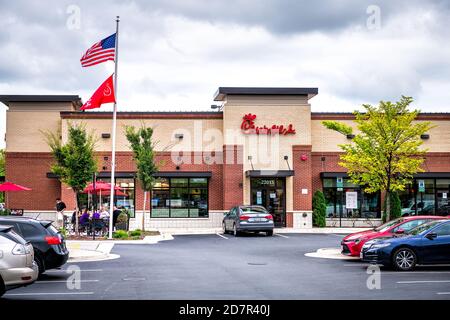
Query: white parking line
[64, 281]
[65, 271]
[413, 272]
[443, 293]
[48, 293]
[222, 236]
[423, 281]
[281, 235]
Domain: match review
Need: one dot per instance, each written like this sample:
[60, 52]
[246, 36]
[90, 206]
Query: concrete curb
[330, 253]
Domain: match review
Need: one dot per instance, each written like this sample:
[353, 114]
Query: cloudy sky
[175, 53]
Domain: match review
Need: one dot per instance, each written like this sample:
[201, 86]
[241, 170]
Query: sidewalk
[187, 231]
[95, 250]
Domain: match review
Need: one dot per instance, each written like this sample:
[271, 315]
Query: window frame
[188, 189]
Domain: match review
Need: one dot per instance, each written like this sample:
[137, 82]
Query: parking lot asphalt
[224, 267]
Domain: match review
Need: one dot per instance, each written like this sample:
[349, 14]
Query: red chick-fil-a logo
[248, 126]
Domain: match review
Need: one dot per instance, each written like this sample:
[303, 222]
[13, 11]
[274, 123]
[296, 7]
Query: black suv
[48, 243]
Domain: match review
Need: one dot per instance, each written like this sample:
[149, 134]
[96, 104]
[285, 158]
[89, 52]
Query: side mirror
[400, 231]
[431, 236]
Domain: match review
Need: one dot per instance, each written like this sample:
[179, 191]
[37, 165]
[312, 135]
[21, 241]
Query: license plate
[258, 219]
[361, 255]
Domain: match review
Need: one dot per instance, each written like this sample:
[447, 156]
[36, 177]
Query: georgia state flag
[104, 94]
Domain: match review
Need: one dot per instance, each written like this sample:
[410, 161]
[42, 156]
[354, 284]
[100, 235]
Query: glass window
[368, 203]
[409, 225]
[443, 230]
[179, 202]
[124, 197]
[160, 203]
[180, 198]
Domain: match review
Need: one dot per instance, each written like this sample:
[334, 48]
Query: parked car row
[28, 248]
[403, 243]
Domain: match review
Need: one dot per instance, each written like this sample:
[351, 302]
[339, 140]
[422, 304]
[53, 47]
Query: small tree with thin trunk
[141, 144]
[386, 153]
[75, 163]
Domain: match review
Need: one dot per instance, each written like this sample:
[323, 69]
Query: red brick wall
[302, 178]
[30, 170]
[233, 170]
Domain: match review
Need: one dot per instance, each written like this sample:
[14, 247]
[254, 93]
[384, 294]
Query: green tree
[75, 162]
[386, 153]
[396, 207]
[319, 209]
[142, 146]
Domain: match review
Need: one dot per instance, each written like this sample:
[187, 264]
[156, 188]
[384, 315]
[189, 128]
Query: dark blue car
[426, 244]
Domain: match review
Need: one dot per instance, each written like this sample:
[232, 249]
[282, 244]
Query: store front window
[426, 197]
[124, 199]
[368, 204]
[180, 198]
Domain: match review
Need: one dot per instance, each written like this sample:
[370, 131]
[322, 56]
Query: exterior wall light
[350, 136]
[106, 135]
[425, 136]
[179, 136]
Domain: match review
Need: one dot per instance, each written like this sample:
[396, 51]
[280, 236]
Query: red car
[352, 244]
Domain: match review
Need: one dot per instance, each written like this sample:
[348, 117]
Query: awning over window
[161, 174]
[423, 175]
[269, 173]
[184, 174]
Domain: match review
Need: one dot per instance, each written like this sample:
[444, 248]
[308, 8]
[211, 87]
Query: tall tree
[386, 153]
[75, 163]
[142, 146]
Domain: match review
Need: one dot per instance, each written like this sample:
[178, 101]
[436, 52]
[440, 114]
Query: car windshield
[423, 227]
[253, 210]
[389, 224]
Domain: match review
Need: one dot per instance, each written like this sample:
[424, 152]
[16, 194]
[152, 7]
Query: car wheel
[404, 259]
[2, 287]
[269, 233]
[40, 263]
[236, 233]
[224, 228]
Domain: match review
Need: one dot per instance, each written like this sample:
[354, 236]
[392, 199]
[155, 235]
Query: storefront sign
[421, 185]
[248, 126]
[340, 184]
[351, 200]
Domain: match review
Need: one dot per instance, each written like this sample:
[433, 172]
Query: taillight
[53, 240]
[245, 218]
[269, 217]
[19, 249]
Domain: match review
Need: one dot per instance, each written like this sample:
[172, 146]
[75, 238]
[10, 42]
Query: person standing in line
[60, 207]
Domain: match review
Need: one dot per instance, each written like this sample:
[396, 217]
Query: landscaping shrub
[319, 209]
[119, 234]
[135, 233]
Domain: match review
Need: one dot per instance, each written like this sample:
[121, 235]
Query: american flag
[102, 51]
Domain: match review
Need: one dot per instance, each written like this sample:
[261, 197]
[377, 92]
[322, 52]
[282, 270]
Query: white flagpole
[113, 156]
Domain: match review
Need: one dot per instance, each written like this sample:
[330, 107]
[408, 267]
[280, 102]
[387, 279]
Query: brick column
[233, 173]
[302, 178]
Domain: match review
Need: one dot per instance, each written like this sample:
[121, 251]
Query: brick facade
[233, 174]
[302, 178]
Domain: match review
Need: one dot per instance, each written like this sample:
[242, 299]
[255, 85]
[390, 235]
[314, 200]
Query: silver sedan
[248, 219]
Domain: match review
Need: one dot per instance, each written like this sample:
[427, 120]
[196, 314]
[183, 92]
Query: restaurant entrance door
[271, 194]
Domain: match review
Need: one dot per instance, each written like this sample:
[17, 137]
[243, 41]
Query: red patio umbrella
[99, 186]
[12, 187]
[9, 186]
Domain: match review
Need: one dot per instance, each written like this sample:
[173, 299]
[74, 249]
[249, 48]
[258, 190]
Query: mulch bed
[100, 238]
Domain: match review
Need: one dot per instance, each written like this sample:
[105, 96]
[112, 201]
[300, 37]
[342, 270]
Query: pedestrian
[60, 207]
[116, 214]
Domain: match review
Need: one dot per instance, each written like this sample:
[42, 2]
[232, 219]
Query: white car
[17, 266]
[410, 209]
